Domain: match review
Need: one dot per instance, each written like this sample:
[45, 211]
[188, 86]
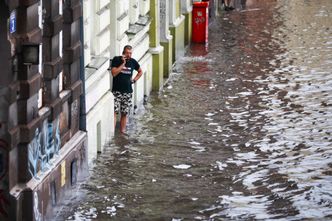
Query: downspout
[82, 123]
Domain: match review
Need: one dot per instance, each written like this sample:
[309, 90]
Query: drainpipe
[82, 123]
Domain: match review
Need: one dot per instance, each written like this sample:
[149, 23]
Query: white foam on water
[210, 114]
[111, 210]
[237, 162]
[195, 59]
[250, 178]
[169, 87]
[232, 79]
[220, 165]
[244, 206]
[219, 129]
[194, 143]
[199, 148]
[250, 156]
[182, 166]
[246, 93]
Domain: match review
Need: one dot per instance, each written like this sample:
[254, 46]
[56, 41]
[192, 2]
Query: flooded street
[241, 131]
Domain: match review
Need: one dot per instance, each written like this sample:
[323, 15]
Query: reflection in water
[242, 129]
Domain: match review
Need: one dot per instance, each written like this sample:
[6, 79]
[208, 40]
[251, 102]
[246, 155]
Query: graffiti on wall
[4, 202]
[34, 153]
[45, 145]
[57, 142]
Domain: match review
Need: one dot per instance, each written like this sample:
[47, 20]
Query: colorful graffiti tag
[43, 147]
[57, 143]
[34, 153]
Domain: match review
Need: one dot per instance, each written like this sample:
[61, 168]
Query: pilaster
[186, 10]
[176, 23]
[43, 118]
[166, 40]
[155, 49]
[52, 55]
[72, 12]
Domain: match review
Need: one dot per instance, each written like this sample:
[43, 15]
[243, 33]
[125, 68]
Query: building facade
[109, 25]
[57, 108]
[42, 139]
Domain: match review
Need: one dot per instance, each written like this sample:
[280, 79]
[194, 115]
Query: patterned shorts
[122, 102]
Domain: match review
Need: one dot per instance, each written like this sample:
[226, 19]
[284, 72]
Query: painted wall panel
[142, 47]
[144, 7]
[122, 7]
[104, 20]
[103, 3]
[97, 90]
[103, 113]
[123, 26]
[148, 76]
[144, 85]
[133, 11]
[103, 41]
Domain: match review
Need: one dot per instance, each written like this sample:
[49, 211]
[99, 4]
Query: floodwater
[241, 131]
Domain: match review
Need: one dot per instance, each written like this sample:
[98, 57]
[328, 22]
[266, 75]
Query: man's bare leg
[123, 123]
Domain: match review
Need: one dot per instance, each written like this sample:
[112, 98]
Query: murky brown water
[241, 131]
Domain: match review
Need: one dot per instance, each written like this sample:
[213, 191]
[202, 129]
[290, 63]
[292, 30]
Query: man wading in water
[122, 68]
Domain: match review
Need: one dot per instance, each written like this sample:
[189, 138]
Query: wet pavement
[241, 131]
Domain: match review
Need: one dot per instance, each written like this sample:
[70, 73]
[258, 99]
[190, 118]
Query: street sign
[12, 22]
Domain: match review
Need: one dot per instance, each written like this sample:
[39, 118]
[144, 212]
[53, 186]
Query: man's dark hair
[126, 47]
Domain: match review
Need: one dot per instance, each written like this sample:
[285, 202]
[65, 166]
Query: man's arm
[138, 75]
[116, 70]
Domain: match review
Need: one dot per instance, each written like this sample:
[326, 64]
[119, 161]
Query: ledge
[76, 91]
[103, 9]
[125, 14]
[52, 69]
[30, 87]
[95, 65]
[142, 22]
[53, 27]
[71, 54]
[137, 37]
[65, 95]
[33, 36]
[56, 108]
[72, 14]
